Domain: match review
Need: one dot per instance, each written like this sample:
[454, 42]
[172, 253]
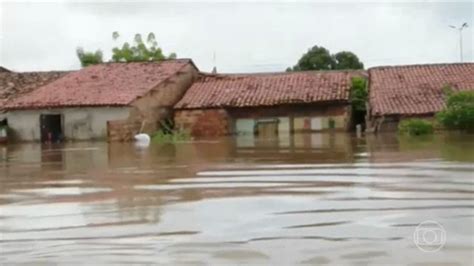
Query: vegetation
[319, 58]
[331, 123]
[161, 136]
[415, 127]
[347, 60]
[138, 51]
[359, 93]
[459, 111]
[358, 96]
[167, 134]
[89, 58]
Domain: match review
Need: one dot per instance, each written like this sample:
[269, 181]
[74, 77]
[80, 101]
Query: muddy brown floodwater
[317, 199]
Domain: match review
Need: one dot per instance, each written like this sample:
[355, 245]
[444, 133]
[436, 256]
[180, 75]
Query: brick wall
[122, 130]
[204, 123]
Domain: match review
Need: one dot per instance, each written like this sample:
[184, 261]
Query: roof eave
[228, 106]
[24, 108]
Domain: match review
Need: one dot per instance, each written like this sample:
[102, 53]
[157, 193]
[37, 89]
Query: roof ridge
[41, 72]
[208, 74]
[420, 65]
[184, 60]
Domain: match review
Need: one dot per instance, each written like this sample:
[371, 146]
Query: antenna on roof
[214, 69]
[460, 29]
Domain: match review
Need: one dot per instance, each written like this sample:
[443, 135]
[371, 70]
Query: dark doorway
[51, 128]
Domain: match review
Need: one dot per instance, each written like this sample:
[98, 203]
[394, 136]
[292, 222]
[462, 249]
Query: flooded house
[266, 105]
[108, 101]
[15, 84]
[400, 92]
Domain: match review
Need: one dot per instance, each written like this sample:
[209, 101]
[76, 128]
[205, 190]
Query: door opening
[51, 128]
[267, 129]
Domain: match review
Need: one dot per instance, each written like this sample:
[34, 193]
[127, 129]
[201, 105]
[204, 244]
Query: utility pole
[463, 26]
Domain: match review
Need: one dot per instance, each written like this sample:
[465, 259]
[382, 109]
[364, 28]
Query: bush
[331, 123]
[459, 111]
[415, 127]
[359, 94]
[162, 136]
[358, 97]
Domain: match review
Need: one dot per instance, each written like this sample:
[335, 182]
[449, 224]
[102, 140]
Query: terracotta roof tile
[240, 90]
[416, 89]
[16, 84]
[111, 84]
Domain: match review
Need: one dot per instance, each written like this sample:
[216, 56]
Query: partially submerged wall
[122, 130]
[381, 124]
[77, 123]
[302, 117]
[204, 123]
[295, 118]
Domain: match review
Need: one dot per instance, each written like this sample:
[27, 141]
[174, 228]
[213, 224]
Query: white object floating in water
[142, 139]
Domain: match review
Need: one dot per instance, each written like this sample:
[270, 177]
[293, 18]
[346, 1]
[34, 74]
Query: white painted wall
[78, 123]
[245, 126]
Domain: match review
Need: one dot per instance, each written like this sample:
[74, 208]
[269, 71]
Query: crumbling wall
[155, 106]
[204, 123]
[122, 130]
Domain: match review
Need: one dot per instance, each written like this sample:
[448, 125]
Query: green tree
[319, 58]
[139, 51]
[459, 111]
[347, 60]
[89, 58]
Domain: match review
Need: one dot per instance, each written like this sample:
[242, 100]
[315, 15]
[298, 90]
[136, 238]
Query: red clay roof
[14, 84]
[416, 89]
[111, 84]
[213, 91]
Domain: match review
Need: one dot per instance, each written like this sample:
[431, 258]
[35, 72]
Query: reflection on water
[313, 199]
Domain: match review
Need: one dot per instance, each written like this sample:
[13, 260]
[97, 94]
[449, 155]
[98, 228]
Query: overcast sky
[245, 36]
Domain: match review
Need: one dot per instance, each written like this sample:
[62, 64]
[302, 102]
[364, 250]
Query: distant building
[266, 104]
[113, 100]
[399, 92]
[2, 69]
